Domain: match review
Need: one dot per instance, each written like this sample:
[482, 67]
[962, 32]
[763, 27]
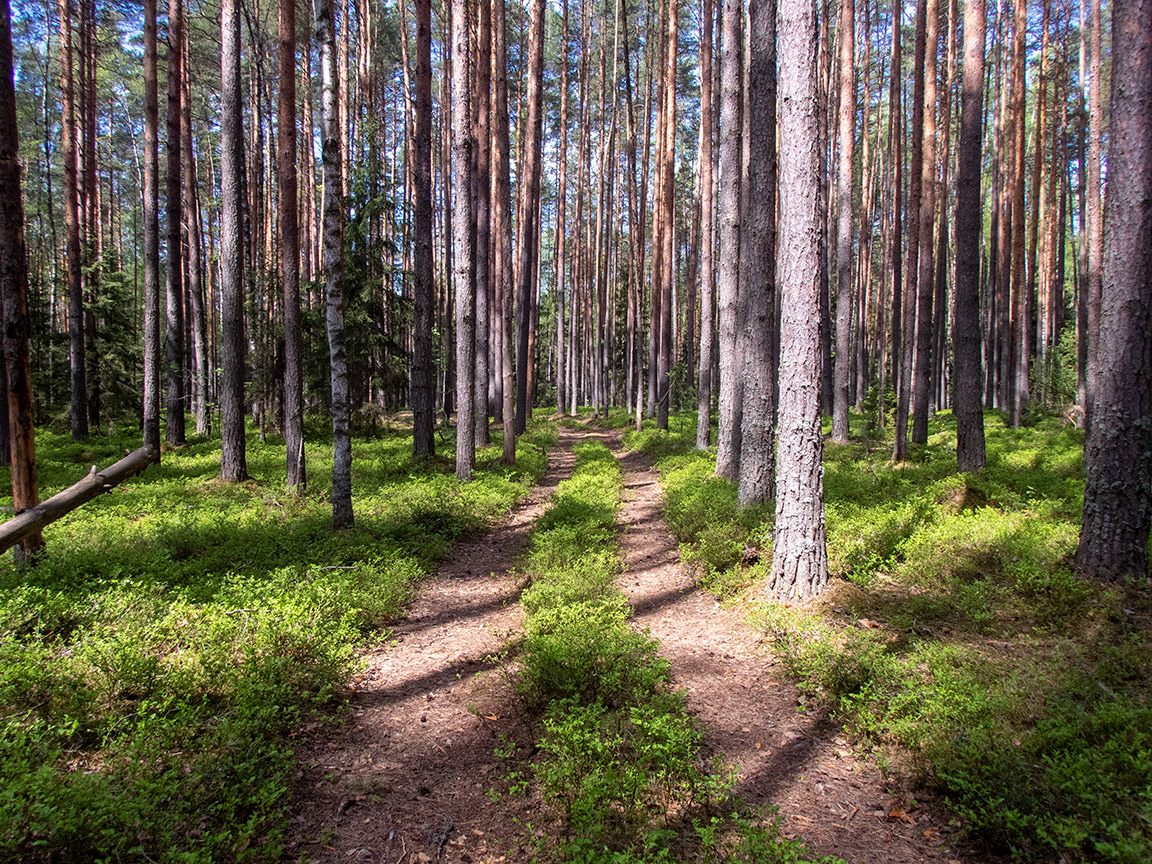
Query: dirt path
[786, 757]
[407, 776]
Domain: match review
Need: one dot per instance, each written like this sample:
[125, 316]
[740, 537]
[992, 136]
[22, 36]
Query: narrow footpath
[406, 778]
[785, 756]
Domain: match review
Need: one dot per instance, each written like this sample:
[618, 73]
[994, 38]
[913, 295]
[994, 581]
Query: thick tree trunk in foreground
[799, 556]
[233, 465]
[758, 246]
[728, 278]
[423, 277]
[174, 331]
[14, 297]
[290, 253]
[462, 241]
[334, 266]
[966, 330]
[846, 215]
[1118, 456]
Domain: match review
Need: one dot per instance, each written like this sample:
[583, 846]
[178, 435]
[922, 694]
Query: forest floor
[408, 776]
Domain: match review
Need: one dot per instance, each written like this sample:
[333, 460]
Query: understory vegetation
[618, 754]
[154, 663]
[954, 634]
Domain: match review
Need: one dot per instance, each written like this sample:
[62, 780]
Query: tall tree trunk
[195, 261]
[233, 465]
[707, 230]
[561, 213]
[1118, 455]
[483, 211]
[463, 239]
[1095, 214]
[1021, 307]
[908, 315]
[73, 266]
[423, 291]
[290, 253]
[922, 366]
[758, 247]
[174, 332]
[152, 342]
[342, 516]
[846, 217]
[799, 556]
[503, 229]
[668, 308]
[896, 145]
[728, 277]
[14, 299]
[966, 329]
[528, 229]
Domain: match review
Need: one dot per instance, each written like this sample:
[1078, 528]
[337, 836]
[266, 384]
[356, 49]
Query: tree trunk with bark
[1118, 455]
[423, 278]
[846, 221]
[463, 240]
[482, 208]
[73, 264]
[174, 332]
[290, 253]
[707, 231]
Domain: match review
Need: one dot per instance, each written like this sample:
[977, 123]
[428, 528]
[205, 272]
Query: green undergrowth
[618, 756]
[954, 633]
[154, 664]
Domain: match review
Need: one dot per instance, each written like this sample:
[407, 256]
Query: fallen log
[96, 483]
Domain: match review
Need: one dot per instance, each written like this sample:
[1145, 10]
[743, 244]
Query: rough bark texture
[174, 330]
[290, 253]
[503, 227]
[727, 283]
[707, 232]
[966, 329]
[922, 366]
[483, 213]
[462, 241]
[334, 265]
[799, 556]
[1095, 213]
[200, 348]
[758, 247]
[1020, 348]
[14, 297]
[423, 289]
[152, 343]
[527, 226]
[233, 466]
[561, 239]
[72, 262]
[1118, 457]
[846, 221]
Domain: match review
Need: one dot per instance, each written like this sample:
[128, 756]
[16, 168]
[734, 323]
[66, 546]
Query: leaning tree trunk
[966, 329]
[1118, 456]
[232, 464]
[290, 254]
[334, 266]
[423, 287]
[757, 246]
[14, 296]
[799, 556]
[846, 221]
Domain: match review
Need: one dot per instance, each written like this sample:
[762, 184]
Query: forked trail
[406, 779]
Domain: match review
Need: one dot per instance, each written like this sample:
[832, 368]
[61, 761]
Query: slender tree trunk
[342, 516]
[728, 277]
[561, 213]
[896, 145]
[668, 308]
[424, 298]
[1021, 307]
[846, 216]
[503, 187]
[966, 330]
[1095, 214]
[483, 211]
[1118, 455]
[152, 341]
[73, 267]
[758, 246]
[174, 332]
[290, 254]
[463, 240]
[195, 262]
[233, 463]
[14, 299]
[707, 231]
[799, 556]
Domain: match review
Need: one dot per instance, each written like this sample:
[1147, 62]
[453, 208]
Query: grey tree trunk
[966, 329]
[758, 248]
[152, 343]
[503, 228]
[483, 212]
[462, 241]
[1118, 456]
[799, 556]
[707, 231]
[334, 265]
[174, 332]
[846, 221]
[423, 290]
[728, 279]
[200, 347]
[290, 254]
